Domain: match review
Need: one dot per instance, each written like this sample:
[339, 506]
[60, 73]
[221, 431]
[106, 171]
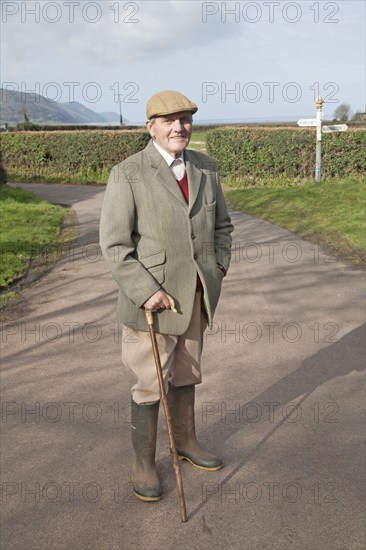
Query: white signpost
[307, 122]
[317, 122]
[335, 128]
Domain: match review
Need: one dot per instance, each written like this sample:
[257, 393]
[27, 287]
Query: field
[198, 142]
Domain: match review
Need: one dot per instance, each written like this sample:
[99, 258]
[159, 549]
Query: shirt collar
[167, 156]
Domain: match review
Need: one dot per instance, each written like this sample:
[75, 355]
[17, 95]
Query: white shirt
[177, 165]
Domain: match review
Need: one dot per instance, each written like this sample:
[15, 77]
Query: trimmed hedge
[250, 154]
[67, 157]
[259, 153]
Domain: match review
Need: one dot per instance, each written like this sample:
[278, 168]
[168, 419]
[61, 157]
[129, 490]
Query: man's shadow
[337, 360]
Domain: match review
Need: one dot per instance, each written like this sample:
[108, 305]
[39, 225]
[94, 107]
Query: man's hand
[159, 300]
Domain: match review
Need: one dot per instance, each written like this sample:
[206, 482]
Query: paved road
[282, 402]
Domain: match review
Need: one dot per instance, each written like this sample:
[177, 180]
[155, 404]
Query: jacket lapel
[194, 179]
[163, 174]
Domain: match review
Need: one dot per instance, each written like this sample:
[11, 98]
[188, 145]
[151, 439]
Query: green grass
[30, 231]
[331, 213]
[198, 142]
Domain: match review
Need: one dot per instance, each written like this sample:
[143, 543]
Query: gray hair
[153, 118]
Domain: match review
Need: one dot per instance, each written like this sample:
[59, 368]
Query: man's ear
[150, 128]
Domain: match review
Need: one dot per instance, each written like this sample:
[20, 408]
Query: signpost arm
[318, 160]
[308, 122]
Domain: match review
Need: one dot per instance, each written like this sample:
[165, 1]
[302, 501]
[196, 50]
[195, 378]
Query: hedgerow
[246, 154]
[67, 157]
[259, 153]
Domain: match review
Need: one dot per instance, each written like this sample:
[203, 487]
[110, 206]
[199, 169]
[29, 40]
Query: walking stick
[173, 450]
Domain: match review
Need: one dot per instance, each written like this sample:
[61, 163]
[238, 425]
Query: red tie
[183, 184]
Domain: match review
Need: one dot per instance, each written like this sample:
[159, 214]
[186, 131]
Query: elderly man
[165, 228]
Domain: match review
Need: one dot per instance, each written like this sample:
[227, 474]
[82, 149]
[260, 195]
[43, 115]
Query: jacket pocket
[210, 207]
[154, 264]
[154, 259]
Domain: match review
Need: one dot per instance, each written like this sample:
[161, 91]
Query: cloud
[160, 29]
[108, 32]
[154, 45]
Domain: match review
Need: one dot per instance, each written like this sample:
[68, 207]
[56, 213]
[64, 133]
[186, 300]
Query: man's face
[172, 132]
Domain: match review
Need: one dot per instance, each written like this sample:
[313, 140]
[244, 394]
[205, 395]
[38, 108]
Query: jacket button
[193, 236]
[195, 257]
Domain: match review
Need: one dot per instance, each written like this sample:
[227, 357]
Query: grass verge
[31, 237]
[85, 177]
[330, 213]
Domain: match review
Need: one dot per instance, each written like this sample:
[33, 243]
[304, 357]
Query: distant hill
[80, 113]
[113, 117]
[40, 110]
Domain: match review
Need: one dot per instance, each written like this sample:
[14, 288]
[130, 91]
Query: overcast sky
[262, 60]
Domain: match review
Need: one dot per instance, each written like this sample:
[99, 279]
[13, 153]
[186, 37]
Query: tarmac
[282, 402]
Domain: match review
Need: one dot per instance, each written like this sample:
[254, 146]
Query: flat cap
[168, 102]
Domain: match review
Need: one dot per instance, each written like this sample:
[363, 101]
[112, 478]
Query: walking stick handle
[149, 313]
[172, 303]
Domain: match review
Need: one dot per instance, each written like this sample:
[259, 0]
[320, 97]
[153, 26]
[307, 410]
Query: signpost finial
[319, 102]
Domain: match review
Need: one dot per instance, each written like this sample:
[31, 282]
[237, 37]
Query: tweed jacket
[151, 239]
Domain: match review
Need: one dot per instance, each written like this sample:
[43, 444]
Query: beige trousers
[180, 357]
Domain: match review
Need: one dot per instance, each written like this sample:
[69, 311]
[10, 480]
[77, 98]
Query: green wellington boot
[181, 404]
[144, 422]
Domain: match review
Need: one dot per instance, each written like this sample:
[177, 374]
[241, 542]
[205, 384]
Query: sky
[238, 61]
